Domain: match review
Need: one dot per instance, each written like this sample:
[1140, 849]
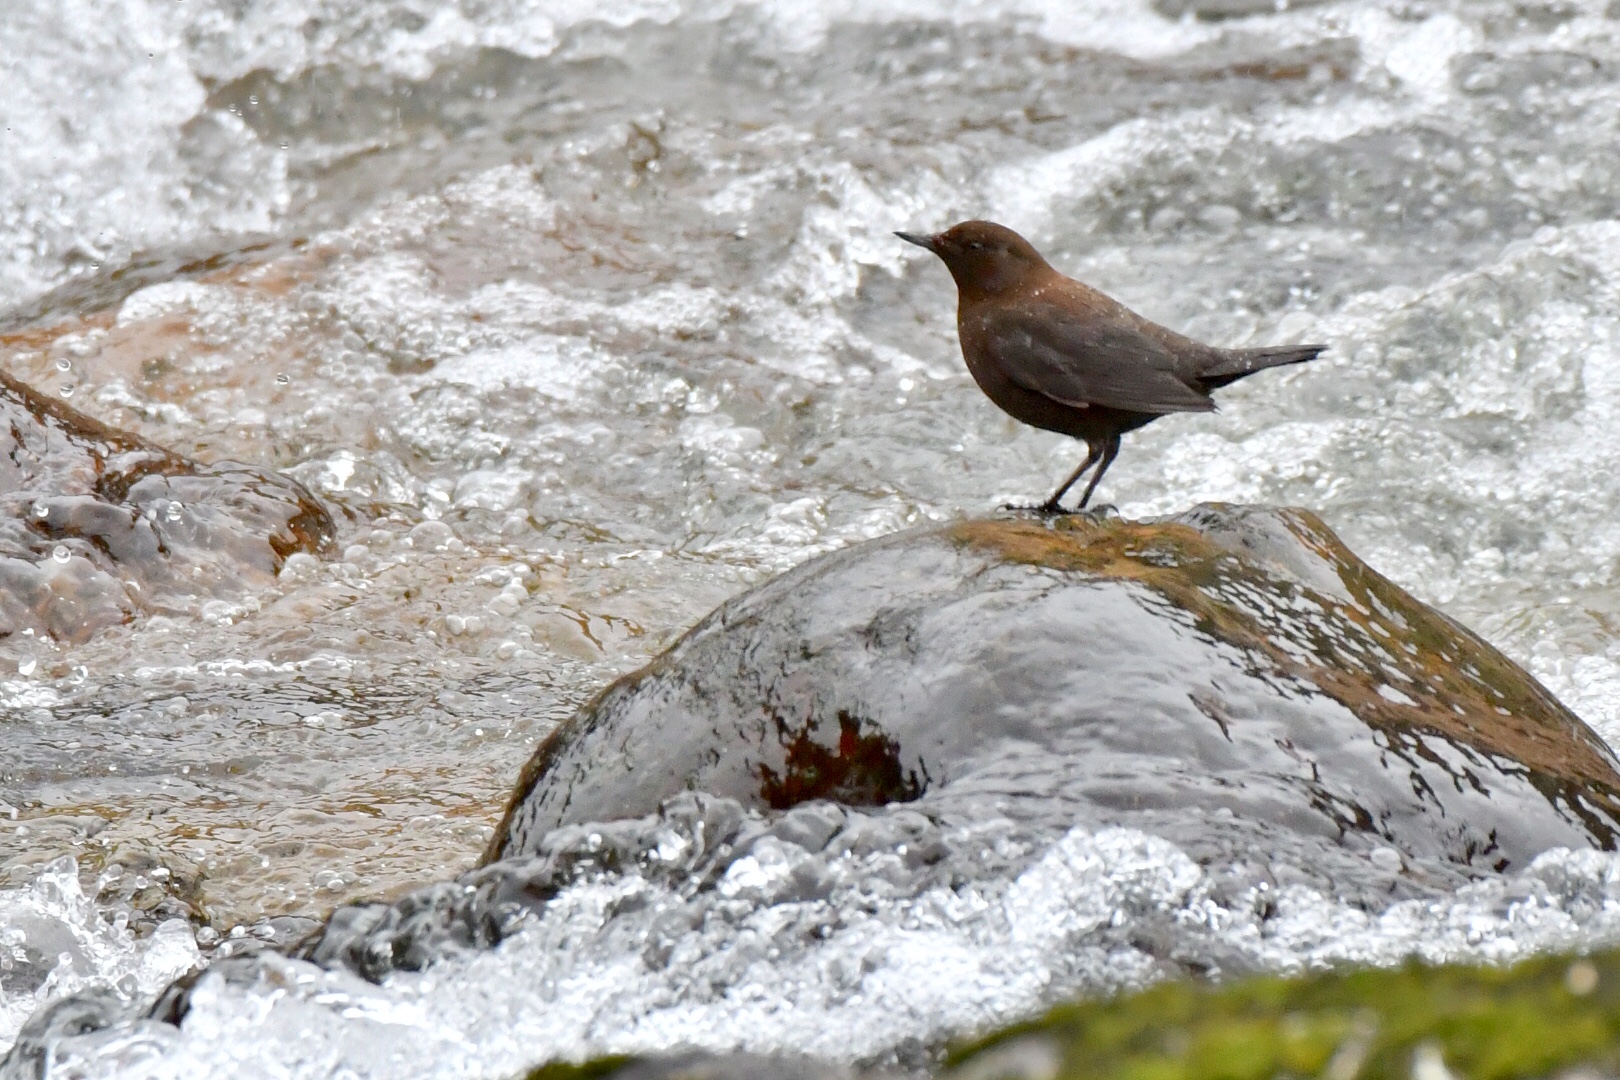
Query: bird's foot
[1047, 508]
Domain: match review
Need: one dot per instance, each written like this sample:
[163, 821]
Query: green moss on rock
[1535, 1019]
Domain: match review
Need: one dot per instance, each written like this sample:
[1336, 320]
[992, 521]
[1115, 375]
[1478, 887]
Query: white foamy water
[587, 316]
[862, 969]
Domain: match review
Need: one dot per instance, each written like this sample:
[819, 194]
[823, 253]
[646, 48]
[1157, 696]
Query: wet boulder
[1229, 678]
[97, 524]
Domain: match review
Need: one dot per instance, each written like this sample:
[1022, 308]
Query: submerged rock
[97, 524]
[1226, 678]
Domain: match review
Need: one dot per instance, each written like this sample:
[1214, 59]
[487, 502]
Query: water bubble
[41, 511]
[282, 379]
[64, 364]
[174, 511]
[1581, 978]
[60, 553]
[66, 391]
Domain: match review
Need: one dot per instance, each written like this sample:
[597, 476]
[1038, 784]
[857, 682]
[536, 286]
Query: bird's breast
[979, 350]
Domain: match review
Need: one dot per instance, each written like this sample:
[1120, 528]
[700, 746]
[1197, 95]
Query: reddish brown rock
[97, 524]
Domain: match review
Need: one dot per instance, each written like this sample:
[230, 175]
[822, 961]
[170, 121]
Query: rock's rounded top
[1399, 665]
[1229, 664]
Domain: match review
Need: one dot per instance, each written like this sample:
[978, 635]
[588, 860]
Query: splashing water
[839, 954]
[54, 941]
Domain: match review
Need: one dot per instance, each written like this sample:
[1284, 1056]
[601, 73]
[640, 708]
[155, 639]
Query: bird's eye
[975, 245]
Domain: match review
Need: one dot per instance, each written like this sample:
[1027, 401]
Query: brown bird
[1061, 356]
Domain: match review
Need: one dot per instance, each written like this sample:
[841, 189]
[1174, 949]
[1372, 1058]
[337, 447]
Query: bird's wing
[1089, 361]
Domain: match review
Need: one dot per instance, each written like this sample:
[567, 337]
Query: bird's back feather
[1089, 361]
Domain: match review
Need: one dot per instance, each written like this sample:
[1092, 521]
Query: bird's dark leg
[1110, 452]
[1052, 505]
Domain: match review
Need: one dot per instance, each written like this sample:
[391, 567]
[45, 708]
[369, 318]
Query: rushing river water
[585, 316]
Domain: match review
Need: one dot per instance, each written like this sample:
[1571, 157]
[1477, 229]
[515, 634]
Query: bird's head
[985, 258]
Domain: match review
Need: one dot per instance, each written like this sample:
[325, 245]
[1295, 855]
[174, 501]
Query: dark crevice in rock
[863, 769]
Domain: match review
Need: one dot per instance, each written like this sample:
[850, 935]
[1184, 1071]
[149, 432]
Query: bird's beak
[920, 241]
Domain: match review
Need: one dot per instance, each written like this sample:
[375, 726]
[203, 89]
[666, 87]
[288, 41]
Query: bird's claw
[1047, 508]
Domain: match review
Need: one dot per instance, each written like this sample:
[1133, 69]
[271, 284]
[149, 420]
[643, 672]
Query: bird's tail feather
[1236, 363]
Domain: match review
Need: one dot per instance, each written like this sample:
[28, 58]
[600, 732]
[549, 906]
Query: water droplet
[60, 553]
[41, 511]
[1581, 978]
[64, 364]
[174, 511]
[283, 379]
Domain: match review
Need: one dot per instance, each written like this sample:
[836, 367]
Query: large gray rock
[1226, 678]
[940, 707]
